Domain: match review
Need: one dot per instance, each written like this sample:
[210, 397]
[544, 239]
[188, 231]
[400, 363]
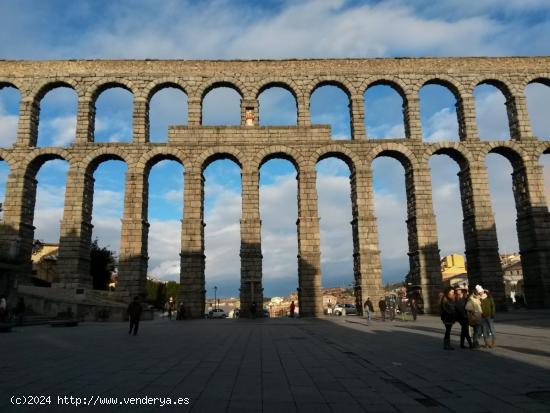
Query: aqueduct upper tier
[250, 145]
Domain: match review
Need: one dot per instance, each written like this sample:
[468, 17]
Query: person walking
[473, 313]
[391, 307]
[253, 308]
[403, 308]
[3, 309]
[414, 308]
[487, 317]
[134, 313]
[448, 315]
[20, 310]
[369, 308]
[382, 306]
[170, 307]
[292, 309]
[181, 311]
[462, 317]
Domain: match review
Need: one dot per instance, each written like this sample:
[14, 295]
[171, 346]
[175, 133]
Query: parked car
[217, 313]
[265, 313]
[345, 309]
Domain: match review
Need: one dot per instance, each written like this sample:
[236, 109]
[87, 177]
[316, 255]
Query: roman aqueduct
[195, 146]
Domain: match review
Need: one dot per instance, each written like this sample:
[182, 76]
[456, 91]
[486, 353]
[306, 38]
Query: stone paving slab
[339, 364]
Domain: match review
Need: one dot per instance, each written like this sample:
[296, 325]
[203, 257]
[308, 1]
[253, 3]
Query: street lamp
[215, 301]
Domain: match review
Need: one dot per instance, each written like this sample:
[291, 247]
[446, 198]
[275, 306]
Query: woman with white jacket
[473, 309]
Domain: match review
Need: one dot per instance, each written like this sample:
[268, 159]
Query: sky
[223, 29]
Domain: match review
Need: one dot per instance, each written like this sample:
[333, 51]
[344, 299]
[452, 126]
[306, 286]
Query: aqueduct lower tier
[250, 145]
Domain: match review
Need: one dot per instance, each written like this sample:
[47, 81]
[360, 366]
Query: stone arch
[94, 159]
[229, 82]
[7, 157]
[222, 152]
[34, 161]
[9, 83]
[344, 154]
[151, 157]
[109, 83]
[277, 152]
[453, 150]
[542, 149]
[287, 84]
[505, 86]
[41, 90]
[543, 79]
[159, 84]
[394, 82]
[396, 151]
[332, 80]
[512, 152]
[451, 84]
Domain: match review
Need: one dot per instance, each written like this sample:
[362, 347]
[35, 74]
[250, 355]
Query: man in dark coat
[448, 315]
[369, 308]
[382, 306]
[134, 313]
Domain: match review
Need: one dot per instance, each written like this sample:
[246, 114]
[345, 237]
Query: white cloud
[442, 126]
[164, 249]
[8, 127]
[63, 130]
[492, 119]
[173, 196]
[538, 103]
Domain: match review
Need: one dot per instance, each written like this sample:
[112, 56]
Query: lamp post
[215, 295]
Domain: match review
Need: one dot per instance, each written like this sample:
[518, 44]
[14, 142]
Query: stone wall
[250, 145]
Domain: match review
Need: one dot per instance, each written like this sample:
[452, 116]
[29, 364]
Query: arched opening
[335, 216]
[384, 112]
[438, 113]
[114, 115]
[222, 214]
[501, 185]
[544, 160]
[221, 105]
[491, 114]
[447, 206]
[164, 214]
[57, 125]
[278, 212]
[4, 172]
[537, 94]
[48, 212]
[329, 105]
[168, 107]
[277, 107]
[9, 114]
[390, 202]
[108, 206]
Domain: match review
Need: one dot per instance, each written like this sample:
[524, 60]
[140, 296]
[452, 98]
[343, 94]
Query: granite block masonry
[250, 145]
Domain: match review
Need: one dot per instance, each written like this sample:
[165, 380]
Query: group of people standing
[403, 305]
[475, 309]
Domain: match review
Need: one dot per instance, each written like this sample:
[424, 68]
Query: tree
[161, 295]
[102, 264]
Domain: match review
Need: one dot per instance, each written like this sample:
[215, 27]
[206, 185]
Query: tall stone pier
[250, 145]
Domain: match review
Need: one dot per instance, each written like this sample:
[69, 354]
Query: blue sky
[273, 29]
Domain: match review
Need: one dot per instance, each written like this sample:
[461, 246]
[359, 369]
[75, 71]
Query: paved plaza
[278, 365]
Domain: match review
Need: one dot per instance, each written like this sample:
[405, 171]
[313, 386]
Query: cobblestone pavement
[279, 365]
